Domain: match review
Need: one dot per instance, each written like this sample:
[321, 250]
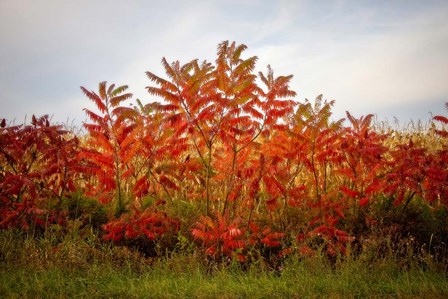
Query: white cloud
[366, 57]
[404, 65]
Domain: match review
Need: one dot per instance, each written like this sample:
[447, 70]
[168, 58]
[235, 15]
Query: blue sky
[389, 58]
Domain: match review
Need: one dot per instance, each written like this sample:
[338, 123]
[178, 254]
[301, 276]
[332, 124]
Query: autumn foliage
[265, 175]
[38, 167]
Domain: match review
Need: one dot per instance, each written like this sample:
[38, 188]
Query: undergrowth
[86, 266]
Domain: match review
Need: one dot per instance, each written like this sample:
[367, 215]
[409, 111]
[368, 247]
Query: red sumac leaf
[364, 202]
[168, 183]
[349, 192]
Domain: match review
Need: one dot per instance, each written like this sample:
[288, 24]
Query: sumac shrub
[151, 232]
[38, 169]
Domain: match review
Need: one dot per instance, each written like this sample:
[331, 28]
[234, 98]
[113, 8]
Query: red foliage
[223, 237]
[220, 236]
[149, 223]
[444, 121]
[408, 172]
[38, 164]
[105, 159]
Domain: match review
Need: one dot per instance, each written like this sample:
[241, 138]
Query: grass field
[88, 268]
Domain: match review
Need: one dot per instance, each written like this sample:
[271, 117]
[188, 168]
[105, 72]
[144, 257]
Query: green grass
[86, 268]
[296, 282]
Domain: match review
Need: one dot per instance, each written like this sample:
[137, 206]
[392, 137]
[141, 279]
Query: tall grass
[87, 268]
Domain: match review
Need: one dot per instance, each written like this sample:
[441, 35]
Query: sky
[388, 58]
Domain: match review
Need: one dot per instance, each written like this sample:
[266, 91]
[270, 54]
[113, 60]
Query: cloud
[393, 64]
[368, 57]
